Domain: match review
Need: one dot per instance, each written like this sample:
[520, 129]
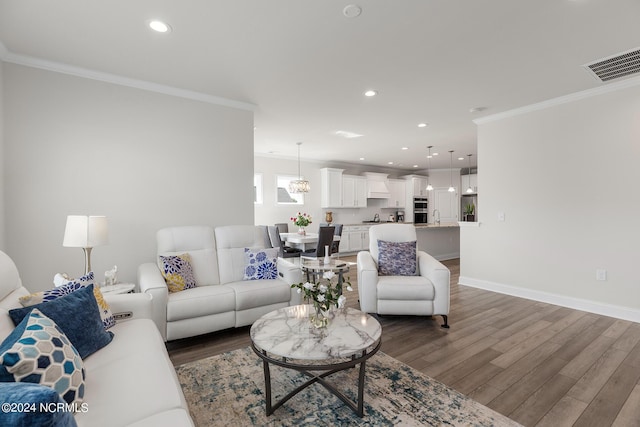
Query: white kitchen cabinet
[420, 186]
[331, 188]
[397, 189]
[446, 203]
[354, 191]
[466, 180]
[354, 238]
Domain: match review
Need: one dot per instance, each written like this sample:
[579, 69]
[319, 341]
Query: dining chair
[276, 242]
[325, 238]
[335, 244]
[283, 227]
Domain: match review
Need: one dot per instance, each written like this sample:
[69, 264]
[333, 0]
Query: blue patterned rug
[228, 389]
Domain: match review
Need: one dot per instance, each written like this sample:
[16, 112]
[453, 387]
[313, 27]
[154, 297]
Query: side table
[118, 288]
[315, 268]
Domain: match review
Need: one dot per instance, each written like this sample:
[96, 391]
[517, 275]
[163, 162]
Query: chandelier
[299, 185]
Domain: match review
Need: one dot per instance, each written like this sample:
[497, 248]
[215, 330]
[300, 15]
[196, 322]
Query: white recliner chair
[425, 294]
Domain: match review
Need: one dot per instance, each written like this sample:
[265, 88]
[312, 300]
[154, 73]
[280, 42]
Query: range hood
[377, 187]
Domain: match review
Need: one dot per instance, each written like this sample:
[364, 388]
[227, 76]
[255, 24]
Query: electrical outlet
[601, 274]
[501, 216]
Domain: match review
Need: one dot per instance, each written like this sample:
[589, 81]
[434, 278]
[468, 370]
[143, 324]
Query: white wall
[2, 158]
[143, 159]
[566, 179]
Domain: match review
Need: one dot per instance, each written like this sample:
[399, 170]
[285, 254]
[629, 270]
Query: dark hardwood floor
[539, 364]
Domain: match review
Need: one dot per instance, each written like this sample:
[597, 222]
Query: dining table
[302, 241]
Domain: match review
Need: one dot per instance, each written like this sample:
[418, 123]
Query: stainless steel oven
[420, 209]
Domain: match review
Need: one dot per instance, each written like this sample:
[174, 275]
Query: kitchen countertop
[418, 226]
[442, 225]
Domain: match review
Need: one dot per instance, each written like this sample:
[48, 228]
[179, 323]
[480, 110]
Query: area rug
[228, 389]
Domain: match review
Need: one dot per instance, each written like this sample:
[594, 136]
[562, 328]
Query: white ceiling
[305, 66]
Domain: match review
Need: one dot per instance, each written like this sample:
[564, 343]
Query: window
[282, 191]
[257, 188]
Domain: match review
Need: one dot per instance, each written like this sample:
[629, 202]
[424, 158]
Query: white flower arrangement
[324, 294]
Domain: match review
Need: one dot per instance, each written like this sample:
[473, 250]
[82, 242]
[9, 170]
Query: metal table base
[357, 407]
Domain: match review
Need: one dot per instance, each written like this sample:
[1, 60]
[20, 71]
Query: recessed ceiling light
[389, 163]
[347, 134]
[422, 125]
[361, 158]
[159, 26]
[405, 148]
[352, 11]
[371, 93]
[460, 158]
[435, 154]
[415, 166]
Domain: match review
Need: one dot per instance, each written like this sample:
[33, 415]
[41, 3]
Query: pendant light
[469, 190]
[451, 188]
[429, 186]
[300, 185]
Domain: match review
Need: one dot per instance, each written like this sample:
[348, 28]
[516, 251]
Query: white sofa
[221, 299]
[425, 294]
[129, 382]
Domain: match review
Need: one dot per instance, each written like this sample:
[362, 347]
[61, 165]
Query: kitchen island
[440, 241]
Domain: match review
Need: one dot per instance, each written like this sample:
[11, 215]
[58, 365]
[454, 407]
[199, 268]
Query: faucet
[436, 220]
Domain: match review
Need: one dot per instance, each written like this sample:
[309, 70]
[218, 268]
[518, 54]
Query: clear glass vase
[302, 231]
[319, 318]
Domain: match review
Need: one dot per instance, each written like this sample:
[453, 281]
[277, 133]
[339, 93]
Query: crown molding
[610, 87]
[33, 62]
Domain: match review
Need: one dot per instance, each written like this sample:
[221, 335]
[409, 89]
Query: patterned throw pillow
[78, 315]
[69, 287]
[177, 272]
[37, 351]
[260, 264]
[397, 258]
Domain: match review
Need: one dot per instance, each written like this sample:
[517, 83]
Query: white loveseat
[130, 381]
[425, 294]
[221, 299]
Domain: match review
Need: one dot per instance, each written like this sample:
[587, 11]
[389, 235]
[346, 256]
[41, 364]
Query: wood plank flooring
[539, 364]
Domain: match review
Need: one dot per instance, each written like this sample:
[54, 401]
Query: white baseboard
[624, 313]
[444, 257]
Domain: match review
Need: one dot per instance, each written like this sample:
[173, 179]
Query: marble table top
[287, 332]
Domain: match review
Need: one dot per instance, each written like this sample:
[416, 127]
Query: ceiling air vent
[617, 66]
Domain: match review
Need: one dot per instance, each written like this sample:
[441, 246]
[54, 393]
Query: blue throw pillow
[77, 314]
[73, 285]
[43, 400]
[260, 264]
[397, 258]
[37, 351]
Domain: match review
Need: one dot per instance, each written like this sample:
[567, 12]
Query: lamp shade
[84, 231]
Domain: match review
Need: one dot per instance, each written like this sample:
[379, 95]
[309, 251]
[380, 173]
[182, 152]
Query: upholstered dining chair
[396, 278]
[325, 238]
[276, 242]
[335, 244]
[283, 227]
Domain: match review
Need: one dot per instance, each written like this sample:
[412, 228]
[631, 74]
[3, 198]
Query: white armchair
[425, 294]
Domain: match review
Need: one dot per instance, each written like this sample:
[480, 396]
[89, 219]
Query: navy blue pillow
[78, 315]
[16, 395]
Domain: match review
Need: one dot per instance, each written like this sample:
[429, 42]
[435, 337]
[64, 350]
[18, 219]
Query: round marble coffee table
[287, 338]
